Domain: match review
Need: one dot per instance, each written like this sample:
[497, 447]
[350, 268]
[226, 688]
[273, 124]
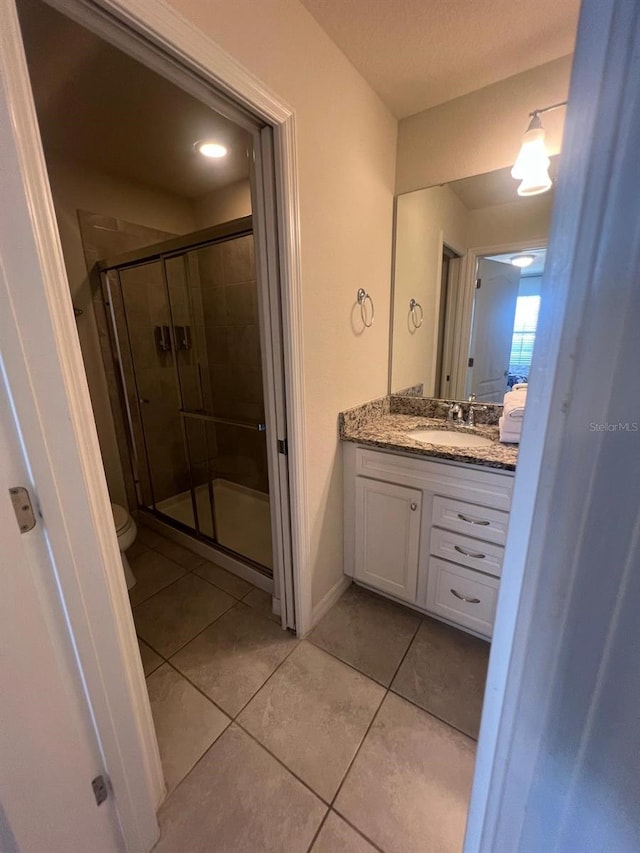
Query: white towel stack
[513, 414]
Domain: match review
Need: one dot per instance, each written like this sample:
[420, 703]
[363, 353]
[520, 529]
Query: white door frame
[557, 761]
[46, 375]
[464, 304]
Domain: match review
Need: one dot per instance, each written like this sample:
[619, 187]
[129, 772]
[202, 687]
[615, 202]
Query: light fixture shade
[522, 261]
[533, 155]
[210, 149]
[535, 183]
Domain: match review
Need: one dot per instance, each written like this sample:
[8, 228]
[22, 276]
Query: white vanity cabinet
[427, 532]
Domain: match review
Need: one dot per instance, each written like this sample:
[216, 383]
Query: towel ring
[362, 297]
[416, 318]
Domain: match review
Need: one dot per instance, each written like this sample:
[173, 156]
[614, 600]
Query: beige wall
[346, 142]
[480, 132]
[224, 204]
[425, 220]
[520, 221]
[74, 188]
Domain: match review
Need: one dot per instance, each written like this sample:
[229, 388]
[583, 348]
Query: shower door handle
[183, 337]
[162, 338]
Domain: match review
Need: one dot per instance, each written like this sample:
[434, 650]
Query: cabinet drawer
[483, 556]
[490, 525]
[462, 596]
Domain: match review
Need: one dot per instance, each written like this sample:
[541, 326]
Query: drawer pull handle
[473, 520]
[464, 598]
[469, 553]
[413, 507]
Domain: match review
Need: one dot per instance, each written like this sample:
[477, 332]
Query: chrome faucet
[471, 417]
[455, 414]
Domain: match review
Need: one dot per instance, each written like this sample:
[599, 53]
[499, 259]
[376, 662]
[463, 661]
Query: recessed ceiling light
[210, 149]
[523, 260]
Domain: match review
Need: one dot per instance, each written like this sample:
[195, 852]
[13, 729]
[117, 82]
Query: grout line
[171, 583]
[360, 745]
[199, 689]
[373, 719]
[359, 831]
[317, 832]
[434, 715]
[269, 677]
[282, 764]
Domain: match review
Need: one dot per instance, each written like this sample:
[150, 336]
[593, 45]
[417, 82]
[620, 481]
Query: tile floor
[359, 738]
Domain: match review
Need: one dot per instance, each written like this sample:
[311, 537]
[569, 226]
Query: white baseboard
[326, 602]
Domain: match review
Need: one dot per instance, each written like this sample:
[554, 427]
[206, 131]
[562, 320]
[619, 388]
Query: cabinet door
[388, 536]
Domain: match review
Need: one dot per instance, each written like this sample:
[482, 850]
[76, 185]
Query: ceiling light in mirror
[522, 261]
[210, 149]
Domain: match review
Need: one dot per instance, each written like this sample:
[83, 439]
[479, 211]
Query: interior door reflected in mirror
[472, 339]
[503, 326]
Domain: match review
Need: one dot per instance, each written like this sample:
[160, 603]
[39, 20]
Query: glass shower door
[189, 347]
[143, 317]
[214, 304]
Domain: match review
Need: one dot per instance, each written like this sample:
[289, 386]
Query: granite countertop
[374, 425]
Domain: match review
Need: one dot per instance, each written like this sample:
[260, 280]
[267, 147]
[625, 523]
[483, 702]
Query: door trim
[45, 372]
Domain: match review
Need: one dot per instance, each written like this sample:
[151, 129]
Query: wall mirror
[463, 313]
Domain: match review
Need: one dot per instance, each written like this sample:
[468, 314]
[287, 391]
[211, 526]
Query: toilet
[126, 531]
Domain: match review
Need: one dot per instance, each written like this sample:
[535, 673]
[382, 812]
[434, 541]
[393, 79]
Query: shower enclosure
[186, 336]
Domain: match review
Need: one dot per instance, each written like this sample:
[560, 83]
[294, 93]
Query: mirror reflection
[469, 257]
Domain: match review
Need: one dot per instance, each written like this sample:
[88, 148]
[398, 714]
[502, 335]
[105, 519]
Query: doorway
[189, 326]
[504, 317]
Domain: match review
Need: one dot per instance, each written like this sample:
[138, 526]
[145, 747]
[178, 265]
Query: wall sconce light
[532, 165]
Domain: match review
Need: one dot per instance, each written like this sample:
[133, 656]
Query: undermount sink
[450, 438]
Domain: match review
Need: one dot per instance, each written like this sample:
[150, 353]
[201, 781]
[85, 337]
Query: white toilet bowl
[126, 532]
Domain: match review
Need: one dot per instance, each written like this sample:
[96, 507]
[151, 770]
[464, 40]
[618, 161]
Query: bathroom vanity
[426, 524]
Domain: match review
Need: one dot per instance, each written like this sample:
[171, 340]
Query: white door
[494, 311]
[388, 537]
[49, 752]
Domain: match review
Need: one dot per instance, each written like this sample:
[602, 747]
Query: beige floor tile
[186, 723]
[336, 836]
[176, 552]
[233, 658]
[408, 789]
[149, 537]
[239, 800]
[367, 631]
[136, 550]
[150, 660]
[313, 714]
[152, 572]
[445, 672]
[176, 614]
[235, 586]
[261, 601]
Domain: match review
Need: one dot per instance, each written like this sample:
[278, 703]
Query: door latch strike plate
[22, 507]
[100, 789]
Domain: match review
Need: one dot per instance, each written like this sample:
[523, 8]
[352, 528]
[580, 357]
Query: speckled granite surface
[376, 425]
[431, 407]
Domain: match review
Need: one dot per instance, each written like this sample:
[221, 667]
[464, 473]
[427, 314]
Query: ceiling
[419, 53]
[492, 188]
[534, 269]
[99, 107]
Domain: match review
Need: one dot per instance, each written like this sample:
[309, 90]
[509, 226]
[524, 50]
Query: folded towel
[509, 432]
[512, 398]
[516, 414]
